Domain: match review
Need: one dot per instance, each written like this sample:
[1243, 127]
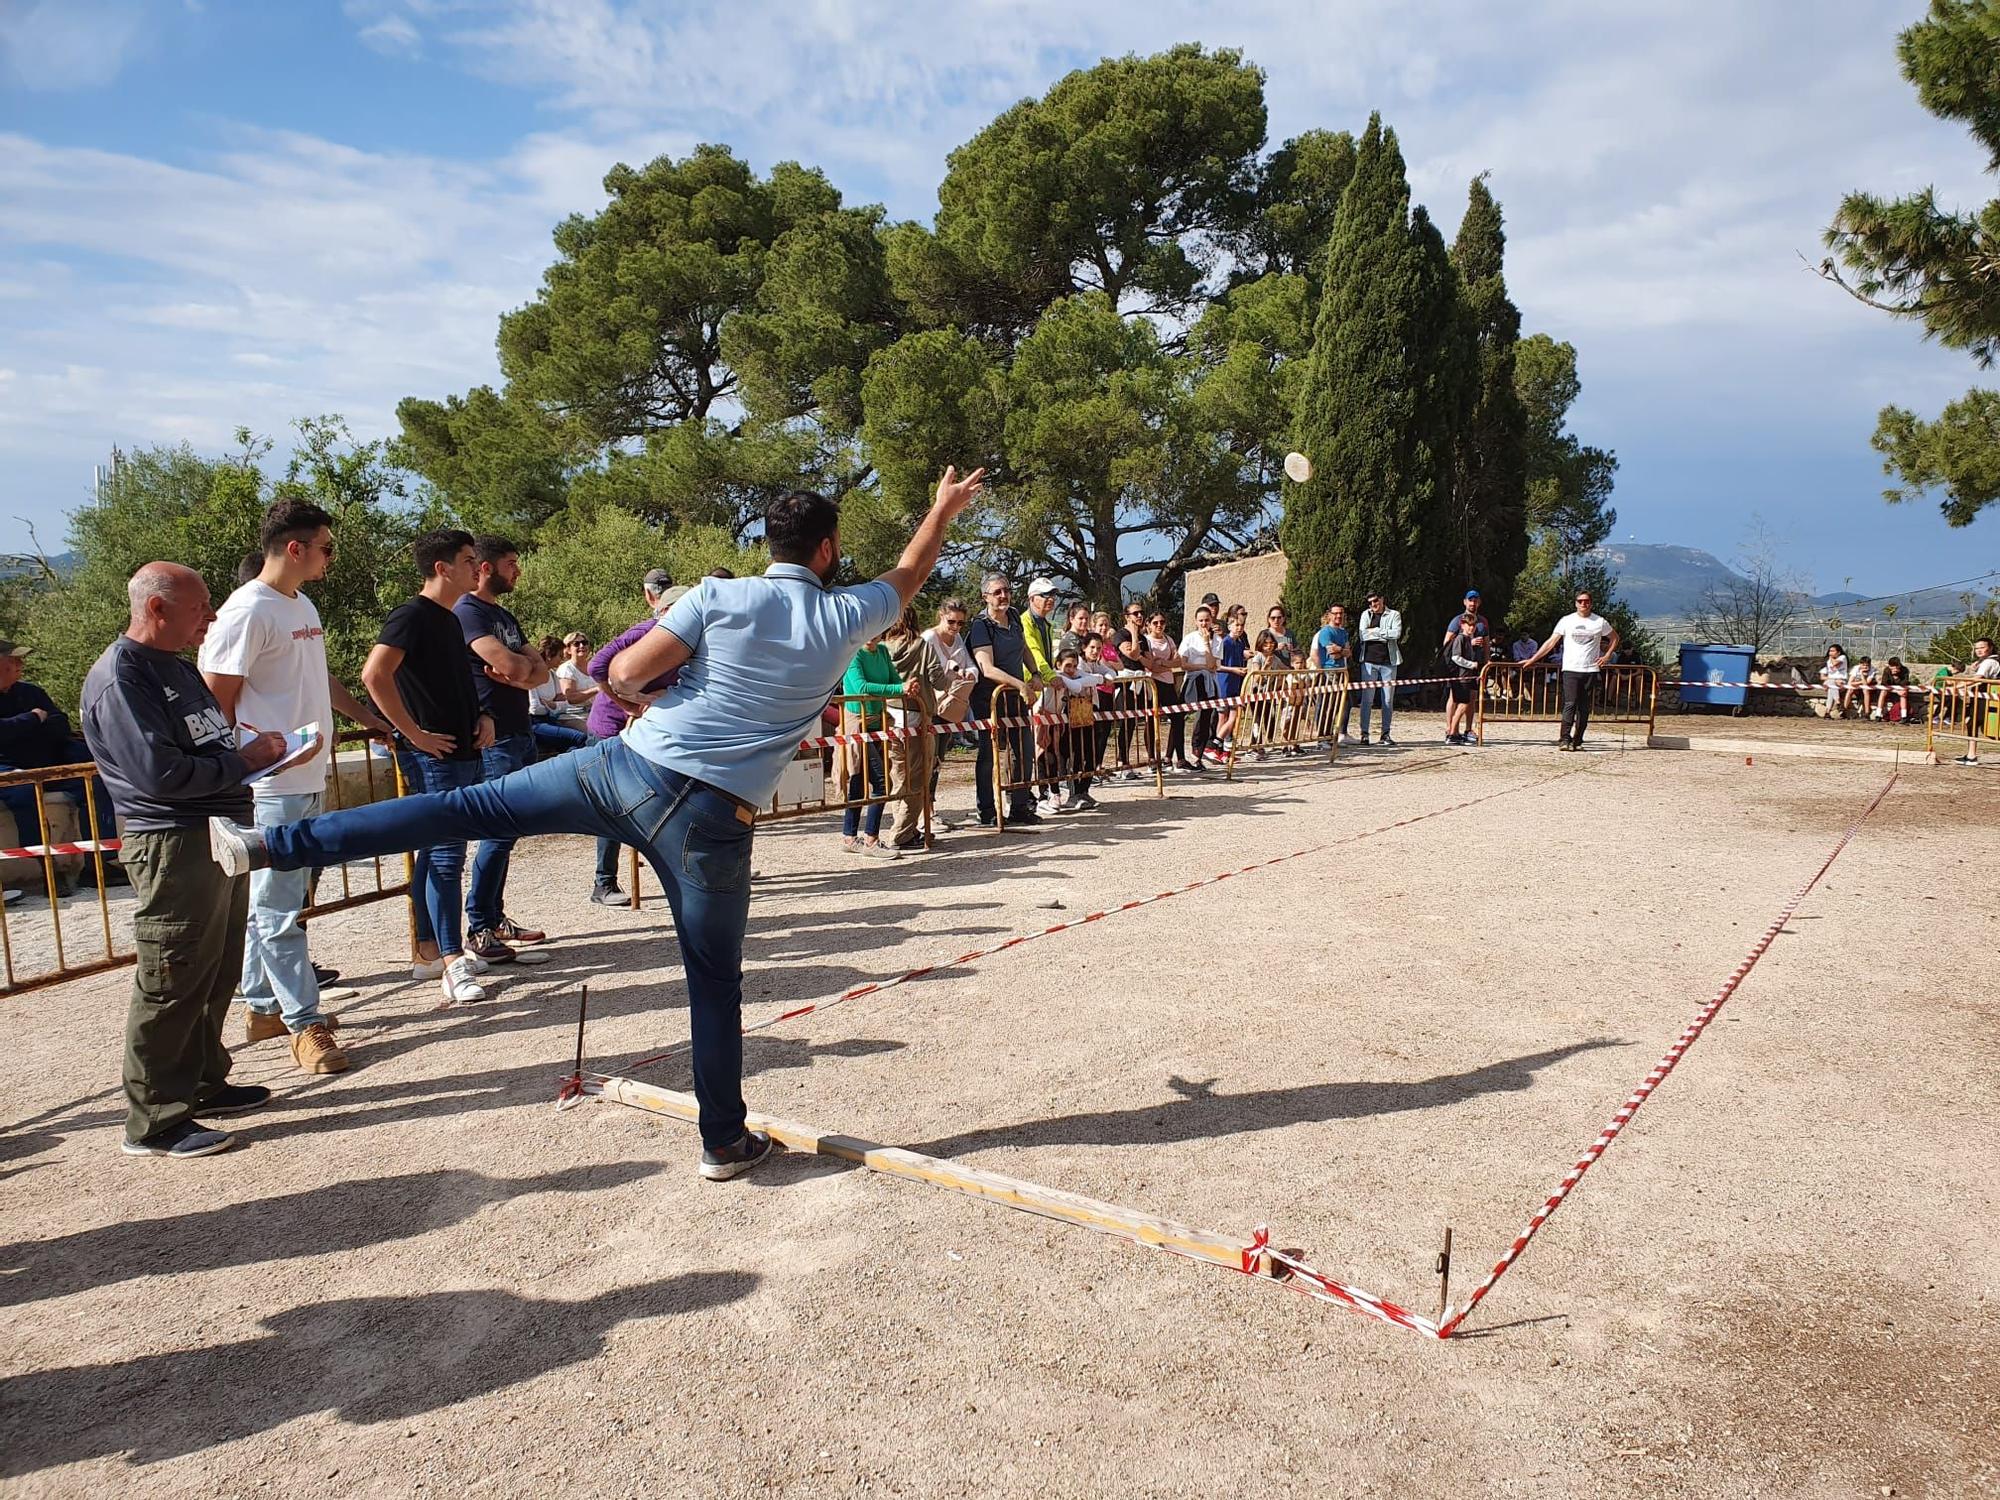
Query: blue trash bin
[1714, 674]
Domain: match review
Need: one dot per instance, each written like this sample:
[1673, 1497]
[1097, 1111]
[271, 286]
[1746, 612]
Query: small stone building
[1254, 582]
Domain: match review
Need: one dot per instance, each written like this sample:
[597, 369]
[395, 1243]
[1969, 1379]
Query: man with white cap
[1041, 631]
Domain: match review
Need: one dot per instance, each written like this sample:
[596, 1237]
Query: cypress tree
[1384, 393]
[1490, 463]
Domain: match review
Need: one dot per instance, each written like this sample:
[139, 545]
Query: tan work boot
[258, 1027]
[315, 1051]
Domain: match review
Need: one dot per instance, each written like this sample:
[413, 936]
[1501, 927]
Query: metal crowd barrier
[1626, 694]
[100, 843]
[1292, 710]
[1964, 707]
[820, 778]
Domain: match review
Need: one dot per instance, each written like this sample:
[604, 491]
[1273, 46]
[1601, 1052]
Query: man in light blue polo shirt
[757, 659]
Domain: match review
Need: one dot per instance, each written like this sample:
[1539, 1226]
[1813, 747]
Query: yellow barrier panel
[1625, 694]
[1964, 706]
[110, 956]
[1290, 710]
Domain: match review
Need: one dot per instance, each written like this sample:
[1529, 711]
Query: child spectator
[1894, 702]
[1071, 699]
[1860, 683]
[871, 680]
[1833, 673]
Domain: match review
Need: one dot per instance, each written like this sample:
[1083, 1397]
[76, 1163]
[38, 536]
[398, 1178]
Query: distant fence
[1508, 694]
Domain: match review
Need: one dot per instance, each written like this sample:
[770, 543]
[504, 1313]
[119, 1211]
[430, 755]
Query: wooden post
[582, 1004]
[1011, 1192]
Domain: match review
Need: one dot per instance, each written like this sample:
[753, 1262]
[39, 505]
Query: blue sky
[215, 214]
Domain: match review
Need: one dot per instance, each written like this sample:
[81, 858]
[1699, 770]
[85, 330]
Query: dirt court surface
[1782, 1280]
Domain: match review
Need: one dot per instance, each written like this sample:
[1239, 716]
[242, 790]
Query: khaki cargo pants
[189, 929]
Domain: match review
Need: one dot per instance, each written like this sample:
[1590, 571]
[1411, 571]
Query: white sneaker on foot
[458, 984]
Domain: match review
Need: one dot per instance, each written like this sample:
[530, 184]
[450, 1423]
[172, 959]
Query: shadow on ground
[1199, 1113]
[367, 1359]
[326, 1220]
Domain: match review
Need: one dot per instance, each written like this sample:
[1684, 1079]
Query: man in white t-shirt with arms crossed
[265, 661]
[1588, 640]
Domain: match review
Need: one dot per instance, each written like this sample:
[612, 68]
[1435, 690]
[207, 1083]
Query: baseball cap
[1211, 598]
[1042, 586]
[8, 648]
[658, 581]
[1472, 593]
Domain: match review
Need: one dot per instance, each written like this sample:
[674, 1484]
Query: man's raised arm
[921, 555]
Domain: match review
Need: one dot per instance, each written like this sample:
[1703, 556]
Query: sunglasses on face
[954, 619]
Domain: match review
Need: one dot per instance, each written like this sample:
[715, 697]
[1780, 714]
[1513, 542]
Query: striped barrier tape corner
[1689, 1034]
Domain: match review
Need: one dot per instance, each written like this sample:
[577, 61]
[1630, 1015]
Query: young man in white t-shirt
[1985, 667]
[1588, 639]
[265, 661]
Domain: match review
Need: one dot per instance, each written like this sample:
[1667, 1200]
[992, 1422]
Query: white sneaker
[457, 983]
[434, 968]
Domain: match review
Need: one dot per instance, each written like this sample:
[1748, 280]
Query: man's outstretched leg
[548, 797]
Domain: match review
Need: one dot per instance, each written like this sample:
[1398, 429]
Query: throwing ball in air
[1298, 468]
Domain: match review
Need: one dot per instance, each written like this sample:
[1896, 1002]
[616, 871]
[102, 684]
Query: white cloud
[53, 46]
[1661, 168]
[393, 36]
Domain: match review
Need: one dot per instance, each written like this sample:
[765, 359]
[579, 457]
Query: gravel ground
[1782, 1280]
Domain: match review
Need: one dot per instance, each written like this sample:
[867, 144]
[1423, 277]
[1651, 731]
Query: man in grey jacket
[1381, 654]
[171, 759]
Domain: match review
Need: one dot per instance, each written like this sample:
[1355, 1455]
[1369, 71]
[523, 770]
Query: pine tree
[1384, 395]
[1923, 263]
[1489, 469]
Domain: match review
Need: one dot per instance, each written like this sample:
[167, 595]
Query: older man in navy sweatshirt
[172, 759]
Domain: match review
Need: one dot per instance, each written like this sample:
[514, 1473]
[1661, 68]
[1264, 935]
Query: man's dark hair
[435, 547]
[290, 521]
[490, 549]
[251, 565]
[1987, 639]
[721, 572]
[797, 523]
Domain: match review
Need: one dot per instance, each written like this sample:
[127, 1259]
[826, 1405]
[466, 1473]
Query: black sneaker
[1385, 740]
[1564, 745]
[986, 822]
[734, 1161]
[1070, 805]
[1024, 817]
[236, 1099]
[182, 1142]
[1087, 802]
[486, 945]
[325, 975]
[1966, 760]
[610, 895]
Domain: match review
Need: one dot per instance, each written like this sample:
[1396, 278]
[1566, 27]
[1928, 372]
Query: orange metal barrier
[1964, 707]
[29, 929]
[1626, 694]
[1291, 710]
[1069, 746]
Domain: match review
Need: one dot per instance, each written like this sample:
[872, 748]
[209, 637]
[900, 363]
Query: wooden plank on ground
[1013, 1192]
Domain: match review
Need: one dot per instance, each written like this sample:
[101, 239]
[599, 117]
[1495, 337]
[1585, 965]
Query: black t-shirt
[435, 678]
[507, 705]
[1010, 650]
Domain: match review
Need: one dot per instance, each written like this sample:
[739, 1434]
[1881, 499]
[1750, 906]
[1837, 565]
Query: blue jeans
[551, 738]
[689, 833]
[865, 820]
[1373, 672]
[440, 869]
[486, 895]
[277, 970]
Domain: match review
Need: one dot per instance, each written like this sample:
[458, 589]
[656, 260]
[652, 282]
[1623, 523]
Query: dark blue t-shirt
[1235, 653]
[508, 706]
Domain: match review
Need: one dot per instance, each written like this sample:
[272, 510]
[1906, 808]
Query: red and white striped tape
[876, 987]
[36, 851]
[1451, 1321]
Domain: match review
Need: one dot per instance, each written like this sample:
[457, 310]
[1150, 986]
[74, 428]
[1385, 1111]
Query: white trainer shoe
[458, 984]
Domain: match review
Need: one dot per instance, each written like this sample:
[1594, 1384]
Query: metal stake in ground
[1444, 1274]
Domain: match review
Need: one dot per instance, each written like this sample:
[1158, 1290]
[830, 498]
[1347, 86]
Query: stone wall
[1255, 583]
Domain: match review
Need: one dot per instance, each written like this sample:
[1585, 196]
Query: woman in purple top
[608, 718]
[607, 714]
